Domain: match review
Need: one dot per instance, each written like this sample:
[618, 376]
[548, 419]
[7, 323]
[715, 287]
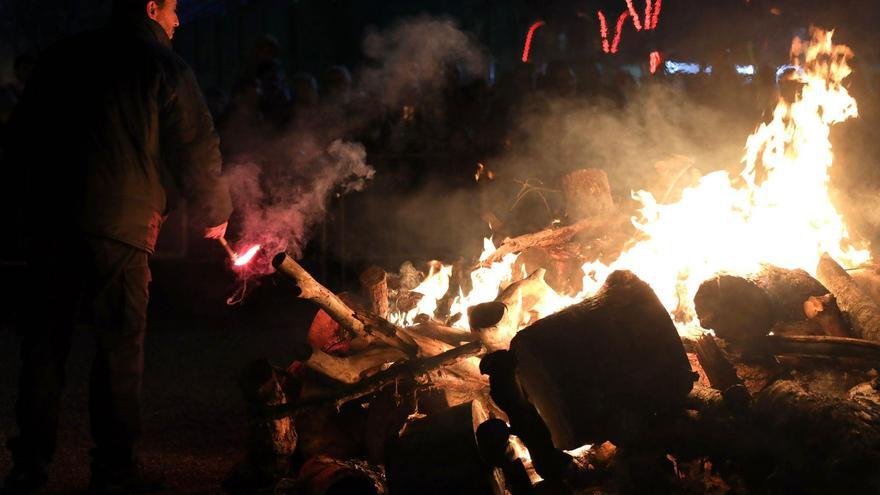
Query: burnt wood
[742, 308]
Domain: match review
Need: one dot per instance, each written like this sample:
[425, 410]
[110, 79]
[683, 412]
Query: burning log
[862, 313]
[375, 286]
[587, 193]
[439, 455]
[824, 311]
[549, 237]
[364, 325]
[413, 368]
[744, 308]
[496, 322]
[596, 368]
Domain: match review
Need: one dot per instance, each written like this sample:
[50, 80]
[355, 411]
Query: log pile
[788, 403]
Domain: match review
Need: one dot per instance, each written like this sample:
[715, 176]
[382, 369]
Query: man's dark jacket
[111, 129]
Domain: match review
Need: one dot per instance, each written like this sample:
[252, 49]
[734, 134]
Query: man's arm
[191, 149]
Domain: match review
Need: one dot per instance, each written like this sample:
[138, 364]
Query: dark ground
[196, 345]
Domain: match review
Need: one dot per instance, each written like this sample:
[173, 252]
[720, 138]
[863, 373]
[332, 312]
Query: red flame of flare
[248, 255]
[528, 45]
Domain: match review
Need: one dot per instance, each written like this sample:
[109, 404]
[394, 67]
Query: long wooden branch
[364, 325]
[548, 237]
[412, 369]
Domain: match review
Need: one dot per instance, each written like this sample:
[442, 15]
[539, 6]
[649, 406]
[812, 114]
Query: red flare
[248, 255]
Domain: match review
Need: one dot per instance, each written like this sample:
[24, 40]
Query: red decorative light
[655, 17]
[528, 45]
[655, 59]
[635, 16]
[603, 31]
[652, 17]
[620, 21]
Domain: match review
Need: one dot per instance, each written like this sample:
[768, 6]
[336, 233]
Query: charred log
[824, 311]
[439, 455]
[744, 308]
[821, 444]
[599, 368]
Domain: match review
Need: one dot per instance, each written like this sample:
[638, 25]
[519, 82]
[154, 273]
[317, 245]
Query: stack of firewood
[601, 397]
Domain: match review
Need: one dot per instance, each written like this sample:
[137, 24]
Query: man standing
[110, 130]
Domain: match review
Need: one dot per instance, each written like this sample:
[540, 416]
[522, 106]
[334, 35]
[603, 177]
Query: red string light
[655, 59]
[528, 45]
[652, 17]
[603, 31]
[656, 15]
[620, 21]
[635, 16]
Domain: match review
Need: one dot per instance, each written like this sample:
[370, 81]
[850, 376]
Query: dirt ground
[195, 347]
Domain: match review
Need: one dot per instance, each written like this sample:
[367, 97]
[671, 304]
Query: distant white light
[745, 70]
[674, 67]
[707, 69]
[782, 69]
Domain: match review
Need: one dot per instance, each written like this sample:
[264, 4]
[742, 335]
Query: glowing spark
[528, 45]
[246, 258]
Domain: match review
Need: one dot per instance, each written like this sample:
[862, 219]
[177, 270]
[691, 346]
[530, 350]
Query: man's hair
[129, 7]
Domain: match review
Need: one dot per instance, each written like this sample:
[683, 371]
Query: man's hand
[216, 232]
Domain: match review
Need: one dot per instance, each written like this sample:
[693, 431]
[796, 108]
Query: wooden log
[868, 279]
[862, 312]
[443, 333]
[438, 454]
[412, 368]
[825, 444]
[598, 368]
[493, 439]
[270, 442]
[824, 311]
[550, 237]
[821, 346]
[352, 369]
[587, 194]
[496, 322]
[323, 475]
[743, 308]
[374, 283]
[364, 325]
